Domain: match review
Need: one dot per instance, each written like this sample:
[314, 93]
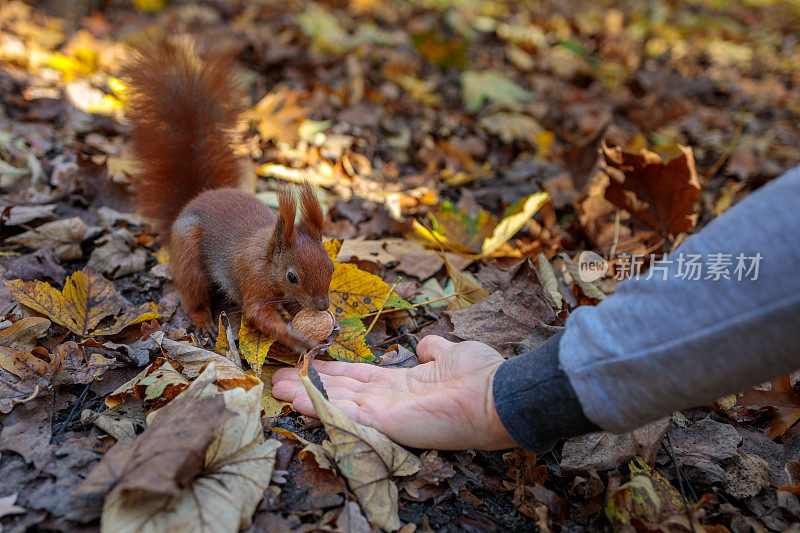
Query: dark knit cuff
[536, 401]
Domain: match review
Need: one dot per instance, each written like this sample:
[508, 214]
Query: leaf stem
[383, 305]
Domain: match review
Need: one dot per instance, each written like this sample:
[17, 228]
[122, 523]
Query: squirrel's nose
[322, 303]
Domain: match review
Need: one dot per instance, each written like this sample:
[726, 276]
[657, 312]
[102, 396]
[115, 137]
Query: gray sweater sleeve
[671, 341]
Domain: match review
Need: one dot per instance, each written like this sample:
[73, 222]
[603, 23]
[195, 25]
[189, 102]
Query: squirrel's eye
[292, 277]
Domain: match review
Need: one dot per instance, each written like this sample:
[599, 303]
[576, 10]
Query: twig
[63, 425]
[383, 305]
[679, 474]
[726, 154]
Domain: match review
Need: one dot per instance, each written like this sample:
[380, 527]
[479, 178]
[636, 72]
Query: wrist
[498, 437]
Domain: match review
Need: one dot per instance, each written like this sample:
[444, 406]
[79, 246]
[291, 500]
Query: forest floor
[613, 127]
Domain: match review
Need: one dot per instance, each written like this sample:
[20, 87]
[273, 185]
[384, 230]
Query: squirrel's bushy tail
[184, 111]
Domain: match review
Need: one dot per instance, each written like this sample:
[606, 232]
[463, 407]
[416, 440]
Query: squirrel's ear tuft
[283, 236]
[312, 217]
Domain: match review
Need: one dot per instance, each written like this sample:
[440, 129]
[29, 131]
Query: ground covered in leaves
[465, 153]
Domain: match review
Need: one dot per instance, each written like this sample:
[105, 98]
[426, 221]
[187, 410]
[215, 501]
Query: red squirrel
[183, 111]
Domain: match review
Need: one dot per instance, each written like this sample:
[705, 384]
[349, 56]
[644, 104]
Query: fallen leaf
[648, 496]
[478, 87]
[354, 292]
[606, 451]
[278, 116]
[118, 255]
[123, 422]
[512, 127]
[433, 470]
[662, 195]
[193, 360]
[366, 458]
[63, 236]
[23, 333]
[780, 399]
[87, 299]
[7, 507]
[25, 214]
[272, 407]
[467, 289]
[254, 345]
[512, 222]
[549, 279]
[77, 367]
[455, 229]
[156, 386]
[27, 430]
[202, 464]
[703, 447]
[24, 375]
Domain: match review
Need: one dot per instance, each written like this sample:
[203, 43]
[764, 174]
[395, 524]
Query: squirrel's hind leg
[189, 273]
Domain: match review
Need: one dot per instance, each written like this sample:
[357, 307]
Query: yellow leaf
[278, 116]
[272, 407]
[356, 293]
[454, 228]
[87, 299]
[332, 247]
[367, 458]
[149, 6]
[23, 333]
[544, 144]
[254, 345]
[350, 345]
[83, 64]
[517, 215]
[468, 290]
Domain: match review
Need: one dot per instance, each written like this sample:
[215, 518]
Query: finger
[432, 347]
[287, 373]
[359, 371]
[287, 389]
[302, 404]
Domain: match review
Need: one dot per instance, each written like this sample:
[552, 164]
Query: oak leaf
[87, 299]
[661, 195]
[366, 458]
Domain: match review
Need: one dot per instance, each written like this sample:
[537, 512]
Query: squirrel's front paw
[299, 342]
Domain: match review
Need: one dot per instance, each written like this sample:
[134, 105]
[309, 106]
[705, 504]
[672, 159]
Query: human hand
[444, 403]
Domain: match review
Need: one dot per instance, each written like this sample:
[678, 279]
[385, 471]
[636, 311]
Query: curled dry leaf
[201, 465]
[194, 360]
[23, 375]
[118, 255]
[64, 236]
[87, 299]
[78, 367]
[366, 458]
[156, 385]
[784, 403]
[23, 333]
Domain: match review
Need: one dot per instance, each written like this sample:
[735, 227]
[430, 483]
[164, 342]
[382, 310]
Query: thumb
[432, 347]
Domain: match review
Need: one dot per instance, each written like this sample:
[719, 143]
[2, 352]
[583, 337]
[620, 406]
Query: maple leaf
[781, 399]
[87, 299]
[278, 117]
[662, 195]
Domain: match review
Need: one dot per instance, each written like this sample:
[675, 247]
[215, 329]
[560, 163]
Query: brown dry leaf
[117, 255]
[24, 375]
[781, 399]
[467, 289]
[122, 422]
[521, 307]
[201, 465]
[278, 116]
[77, 367]
[87, 299]
[194, 360]
[605, 451]
[23, 333]
[8, 507]
[433, 471]
[366, 458]
[156, 385]
[662, 195]
[64, 236]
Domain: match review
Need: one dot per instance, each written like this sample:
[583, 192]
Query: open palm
[446, 402]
